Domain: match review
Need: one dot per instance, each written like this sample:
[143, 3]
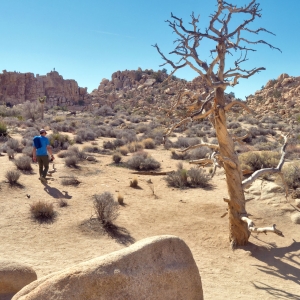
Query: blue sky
[89, 40]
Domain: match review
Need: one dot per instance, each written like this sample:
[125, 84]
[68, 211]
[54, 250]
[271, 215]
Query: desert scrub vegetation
[60, 141]
[148, 143]
[71, 161]
[182, 178]
[23, 163]
[106, 209]
[42, 211]
[142, 161]
[3, 128]
[291, 175]
[72, 180]
[255, 160]
[12, 176]
[117, 157]
[134, 183]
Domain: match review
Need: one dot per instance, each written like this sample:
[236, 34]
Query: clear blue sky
[89, 40]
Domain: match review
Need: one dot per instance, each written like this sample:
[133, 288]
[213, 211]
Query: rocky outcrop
[279, 96]
[16, 88]
[14, 276]
[160, 267]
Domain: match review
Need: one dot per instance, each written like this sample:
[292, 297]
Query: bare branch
[252, 227]
[211, 146]
[243, 105]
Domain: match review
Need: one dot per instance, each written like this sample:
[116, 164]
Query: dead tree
[218, 78]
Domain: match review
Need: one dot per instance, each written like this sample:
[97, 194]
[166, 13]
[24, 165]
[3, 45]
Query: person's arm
[34, 154]
[49, 149]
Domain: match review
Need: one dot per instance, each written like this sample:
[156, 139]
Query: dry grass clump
[71, 161]
[183, 178]
[117, 157]
[23, 163]
[123, 150]
[106, 208]
[291, 175]
[42, 211]
[134, 183]
[135, 146]
[12, 176]
[10, 153]
[142, 161]
[72, 180]
[120, 199]
[149, 143]
[255, 160]
[13, 144]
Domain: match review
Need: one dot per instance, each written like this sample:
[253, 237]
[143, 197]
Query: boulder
[295, 217]
[160, 267]
[14, 276]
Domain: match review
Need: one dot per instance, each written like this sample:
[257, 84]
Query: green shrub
[3, 128]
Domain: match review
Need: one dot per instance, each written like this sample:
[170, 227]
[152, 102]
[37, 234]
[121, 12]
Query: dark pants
[43, 161]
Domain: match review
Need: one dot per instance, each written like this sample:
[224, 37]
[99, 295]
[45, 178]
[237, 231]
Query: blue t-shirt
[43, 150]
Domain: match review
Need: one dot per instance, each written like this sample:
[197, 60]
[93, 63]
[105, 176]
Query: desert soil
[268, 268]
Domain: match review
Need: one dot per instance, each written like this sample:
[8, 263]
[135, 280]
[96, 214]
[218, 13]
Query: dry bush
[134, 183]
[109, 145]
[149, 143]
[177, 179]
[117, 157]
[72, 180]
[198, 178]
[12, 176]
[13, 144]
[120, 199]
[71, 161]
[135, 146]
[142, 161]
[23, 163]
[106, 208]
[255, 160]
[10, 153]
[42, 211]
[291, 175]
[27, 150]
[123, 150]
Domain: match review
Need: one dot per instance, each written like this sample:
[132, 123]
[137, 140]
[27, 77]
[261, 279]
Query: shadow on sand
[56, 193]
[281, 262]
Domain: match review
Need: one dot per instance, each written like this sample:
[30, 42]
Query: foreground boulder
[13, 277]
[160, 267]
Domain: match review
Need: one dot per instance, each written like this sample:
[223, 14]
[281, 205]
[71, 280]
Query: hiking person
[41, 147]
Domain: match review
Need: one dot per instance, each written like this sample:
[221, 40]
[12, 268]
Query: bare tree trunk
[239, 233]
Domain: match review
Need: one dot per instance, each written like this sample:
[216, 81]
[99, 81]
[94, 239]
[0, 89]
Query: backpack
[37, 142]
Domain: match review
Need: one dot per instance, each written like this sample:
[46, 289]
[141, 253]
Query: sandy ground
[268, 268]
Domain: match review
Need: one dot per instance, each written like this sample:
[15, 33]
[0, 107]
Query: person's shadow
[56, 193]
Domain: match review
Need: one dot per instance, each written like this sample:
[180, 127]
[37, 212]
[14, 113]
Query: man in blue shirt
[41, 155]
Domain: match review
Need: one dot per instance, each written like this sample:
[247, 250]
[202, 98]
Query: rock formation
[16, 88]
[13, 277]
[160, 267]
[279, 96]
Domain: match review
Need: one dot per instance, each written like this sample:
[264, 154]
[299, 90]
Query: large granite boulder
[13, 277]
[160, 267]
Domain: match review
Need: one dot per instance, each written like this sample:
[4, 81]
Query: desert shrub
[233, 125]
[291, 175]
[75, 151]
[12, 176]
[27, 151]
[134, 183]
[104, 110]
[108, 145]
[148, 143]
[142, 128]
[71, 161]
[182, 178]
[179, 155]
[91, 149]
[118, 143]
[72, 180]
[256, 160]
[199, 153]
[120, 199]
[3, 127]
[116, 122]
[42, 211]
[142, 161]
[57, 140]
[135, 146]
[10, 152]
[106, 208]
[85, 134]
[13, 144]
[117, 157]
[23, 163]
[123, 150]
[126, 135]
[31, 110]
[198, 178]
